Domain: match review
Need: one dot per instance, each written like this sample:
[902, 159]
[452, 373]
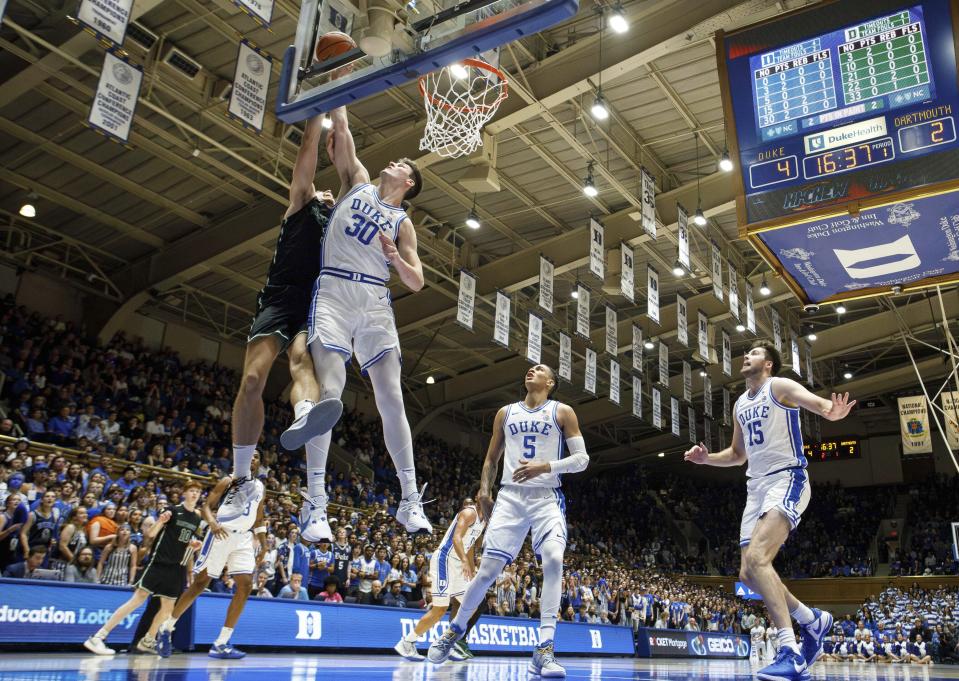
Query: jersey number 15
[755, 433]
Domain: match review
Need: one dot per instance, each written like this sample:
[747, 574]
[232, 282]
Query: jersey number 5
[755, 433]
[529, 445]
[363, 229]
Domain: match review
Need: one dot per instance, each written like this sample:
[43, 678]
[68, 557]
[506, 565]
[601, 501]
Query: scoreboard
[836, 109]
[832, 449]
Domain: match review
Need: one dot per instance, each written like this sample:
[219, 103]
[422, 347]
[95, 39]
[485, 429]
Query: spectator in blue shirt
[394, 597]
[61, 426]
[294, 589]
[383, 566]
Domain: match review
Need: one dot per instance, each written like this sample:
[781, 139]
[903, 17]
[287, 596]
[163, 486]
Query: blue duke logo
[310, 625]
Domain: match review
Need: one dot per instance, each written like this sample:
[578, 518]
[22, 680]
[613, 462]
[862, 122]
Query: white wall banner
[108, 19]
[565, 357]
[534, 338]
[777, 330]
[708, 394]
[682, 220]
[627, 275]
[612, 330]
[950, 408]
[251, 83]
[726, 400]
[582, 310]
[663, 363]
[682, 321]
[260, 11]
[809, 377]
[649, 204]
[115, 101]
[590, 383]
[614, 381]
[692, 424]
[914, 423]
[750, 310]
[597, 249]
[733, 290]
[717, 272]
[794, 353]
[708, 432]
[652, 293]
[703, 337]
[501, 323]
[687, 381]
[637, 396]
[637, 348]
[657, 408]
[674, 415]
[727, 354]
[466, 300]
[546, 283]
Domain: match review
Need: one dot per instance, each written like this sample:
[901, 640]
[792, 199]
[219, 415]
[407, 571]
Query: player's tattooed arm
[494, 453]
[789, 392]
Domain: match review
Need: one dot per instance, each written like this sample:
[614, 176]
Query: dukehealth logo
[847, 134]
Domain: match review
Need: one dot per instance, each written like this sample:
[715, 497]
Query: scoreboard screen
[832, 449]
[839, 103]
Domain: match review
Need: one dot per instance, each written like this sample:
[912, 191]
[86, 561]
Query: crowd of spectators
[929, 549]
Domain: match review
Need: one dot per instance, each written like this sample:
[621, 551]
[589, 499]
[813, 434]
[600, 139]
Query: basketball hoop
[459, 100]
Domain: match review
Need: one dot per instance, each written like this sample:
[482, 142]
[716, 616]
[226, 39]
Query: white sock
[224, 637]
[803, 615]
[168, 624]
[787, 639]
[302, 407]
[242, 459]
[101, 634]
[317, 450]
[411, 637]
[407, 478]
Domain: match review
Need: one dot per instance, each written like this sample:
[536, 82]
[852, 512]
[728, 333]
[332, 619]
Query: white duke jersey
[351, 246]
[771, 432]
[473, 533]
[228, 516]
[531, 434]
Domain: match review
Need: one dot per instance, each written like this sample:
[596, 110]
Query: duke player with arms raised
[529, 436]
[766, 434]
[351, 313]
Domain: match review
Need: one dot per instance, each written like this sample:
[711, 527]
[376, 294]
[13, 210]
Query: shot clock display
[832, 449]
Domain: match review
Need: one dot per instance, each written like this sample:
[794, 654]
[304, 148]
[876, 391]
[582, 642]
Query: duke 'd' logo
[310, 625]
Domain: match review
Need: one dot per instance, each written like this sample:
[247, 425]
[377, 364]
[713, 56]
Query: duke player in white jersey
[766, 434]
[351, 314]
[229, 543]
[452, 566]
[529, 436]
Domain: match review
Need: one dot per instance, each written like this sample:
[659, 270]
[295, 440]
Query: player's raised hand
[326, 196]
[530, 469]
[696, 454]
[389, 249]
[840, 406]
[164, 517]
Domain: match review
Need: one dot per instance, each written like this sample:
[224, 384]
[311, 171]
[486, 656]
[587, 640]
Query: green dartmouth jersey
[174, 540]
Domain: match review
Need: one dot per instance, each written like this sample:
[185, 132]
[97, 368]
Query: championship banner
[914, 424]
[627, 276]
[691, 413]
[251, 83]
[777, 330]
[582, 310]
[546, 283]
[687, 381]
[649, 204]
[682, 321]
[733, 290]
[727, 354]
[809, 377]
[950, 408]
[682, 220]
[115, 101]
[637, 396]
[597, 253]
[663, 364]
[612, 331]
[708, 432]
[717, 272]
[794, 353]
[501, 322]
[652, 293]
[534, 340]
[674, 415]
[708, 395]
[726, 400]
[261, 11]
[466, 300]
[703, 337]
[565, 357]
[590, 383]
[614, 381]
[108, 19]
[657, 408]
[750, 309]
[637, 348]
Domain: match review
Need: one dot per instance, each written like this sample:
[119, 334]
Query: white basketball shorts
[353, 318]
[520, 510]
[446, 577]
[236, 553]
[787, 491]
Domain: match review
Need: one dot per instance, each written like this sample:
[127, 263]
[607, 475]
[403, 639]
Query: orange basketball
[333, 44]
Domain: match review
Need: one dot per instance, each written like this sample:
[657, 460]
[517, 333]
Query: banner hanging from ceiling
[466, 300]
[582, 310]
[657, 408]
[703, 337]
[717, 271]
[261, 11]
[914, 425]
[727, 353]
[682, 221]
[652, 293]
[950, 408]
[534, 338]
[501, 321]
[750, 309]
[597, 252]
[115, 101]
[627, 275]
[614, 381]
[649, 204]
[612, 331]
[663, 363]
[565, 357]
[674, 415]
[107, 19]
[251, 84]
[733, 290]
[546, 283]
[590, 382]
[682, 321]
[637, 348]
[637, 396]
[687, 381]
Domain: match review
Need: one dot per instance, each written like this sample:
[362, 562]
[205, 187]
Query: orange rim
[477, 64]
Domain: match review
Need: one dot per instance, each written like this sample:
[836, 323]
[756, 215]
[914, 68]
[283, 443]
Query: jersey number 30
[755, 433]
[364, 230]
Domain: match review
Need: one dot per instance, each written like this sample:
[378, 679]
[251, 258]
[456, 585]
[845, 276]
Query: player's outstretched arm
[484, 499]
[302, 190]
[734, 455]
[789, 392]
[347, 165]
[403, 256]
[211, 503]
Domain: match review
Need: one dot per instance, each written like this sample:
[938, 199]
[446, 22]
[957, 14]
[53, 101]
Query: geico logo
[720, 645]
[666, 641]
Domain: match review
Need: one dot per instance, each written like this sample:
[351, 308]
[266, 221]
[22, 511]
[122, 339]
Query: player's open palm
[696, 454]
[841, 405]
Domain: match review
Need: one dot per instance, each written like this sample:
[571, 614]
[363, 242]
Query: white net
[459, 100]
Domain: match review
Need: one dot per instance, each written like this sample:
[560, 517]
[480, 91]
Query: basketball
[333, 44]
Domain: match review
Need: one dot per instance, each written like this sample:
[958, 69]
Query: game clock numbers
[832, 449]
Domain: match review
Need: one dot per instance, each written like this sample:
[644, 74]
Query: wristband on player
[259, 530]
